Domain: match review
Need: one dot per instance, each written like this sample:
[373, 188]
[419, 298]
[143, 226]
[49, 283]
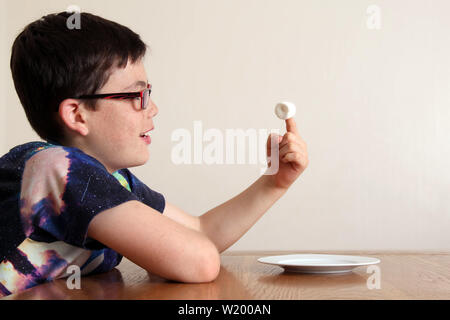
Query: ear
[73, 115]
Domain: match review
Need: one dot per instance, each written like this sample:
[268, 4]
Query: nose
[152, 109]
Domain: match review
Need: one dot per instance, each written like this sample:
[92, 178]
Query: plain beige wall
[373, 106]
[4, 71]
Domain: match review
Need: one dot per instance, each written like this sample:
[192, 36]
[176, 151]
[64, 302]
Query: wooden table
[403, 276]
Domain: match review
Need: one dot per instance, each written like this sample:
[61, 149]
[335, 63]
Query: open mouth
[146, 136]
[147, 133]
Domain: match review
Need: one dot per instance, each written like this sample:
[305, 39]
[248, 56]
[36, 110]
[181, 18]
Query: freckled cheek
[125, 131]
[120, 128]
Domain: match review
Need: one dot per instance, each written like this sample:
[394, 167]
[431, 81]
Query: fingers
[290, 157]
[293, 149]
[291, 137]
[288, 137]
[294, 155]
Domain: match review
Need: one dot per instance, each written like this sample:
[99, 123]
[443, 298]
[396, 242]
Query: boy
[71, 200]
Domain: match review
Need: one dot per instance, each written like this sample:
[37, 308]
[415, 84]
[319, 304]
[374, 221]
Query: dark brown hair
[51, 62]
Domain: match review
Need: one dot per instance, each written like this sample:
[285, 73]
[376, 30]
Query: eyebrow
[139, 83]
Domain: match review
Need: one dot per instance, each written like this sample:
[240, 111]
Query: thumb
[291, 126]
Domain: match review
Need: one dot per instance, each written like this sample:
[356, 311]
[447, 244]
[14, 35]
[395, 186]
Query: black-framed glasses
[144, 95]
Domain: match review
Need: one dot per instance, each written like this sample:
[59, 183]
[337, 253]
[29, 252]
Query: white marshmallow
[285, 110]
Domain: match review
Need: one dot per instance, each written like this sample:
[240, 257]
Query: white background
[373, 106]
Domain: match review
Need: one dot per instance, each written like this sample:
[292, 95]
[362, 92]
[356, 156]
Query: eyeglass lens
[145, 98]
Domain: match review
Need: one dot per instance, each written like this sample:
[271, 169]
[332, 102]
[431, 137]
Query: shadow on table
[226, 286]
[99, 286]
[146, 286]
[310, 280]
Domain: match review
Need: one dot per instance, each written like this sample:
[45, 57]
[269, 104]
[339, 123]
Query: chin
[140, 162]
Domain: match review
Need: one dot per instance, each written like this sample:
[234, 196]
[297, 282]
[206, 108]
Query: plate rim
[370, 260]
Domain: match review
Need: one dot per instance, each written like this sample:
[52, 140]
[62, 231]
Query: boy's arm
[156, 243]
[226, 223]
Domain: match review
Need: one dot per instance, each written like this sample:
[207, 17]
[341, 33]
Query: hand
[293, 155]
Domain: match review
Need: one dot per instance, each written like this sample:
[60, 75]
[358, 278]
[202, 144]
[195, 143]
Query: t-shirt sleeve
[62, 190]
[145, 194]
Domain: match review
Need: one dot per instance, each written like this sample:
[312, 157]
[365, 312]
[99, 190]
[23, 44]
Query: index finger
[291, 126]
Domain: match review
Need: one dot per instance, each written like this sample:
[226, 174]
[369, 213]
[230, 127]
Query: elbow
[203, 268]
[212, 269]
[209, 267]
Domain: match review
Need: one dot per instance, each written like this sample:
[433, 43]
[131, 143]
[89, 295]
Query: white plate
[318, 263]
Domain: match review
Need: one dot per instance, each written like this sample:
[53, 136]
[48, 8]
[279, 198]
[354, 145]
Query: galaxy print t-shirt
[48, 195]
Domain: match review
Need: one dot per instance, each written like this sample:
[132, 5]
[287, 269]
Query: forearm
[226, 223]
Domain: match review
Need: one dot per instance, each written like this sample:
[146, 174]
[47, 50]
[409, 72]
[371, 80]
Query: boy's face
[116, 126]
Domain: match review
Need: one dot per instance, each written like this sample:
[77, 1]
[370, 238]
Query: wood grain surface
[406, 275]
